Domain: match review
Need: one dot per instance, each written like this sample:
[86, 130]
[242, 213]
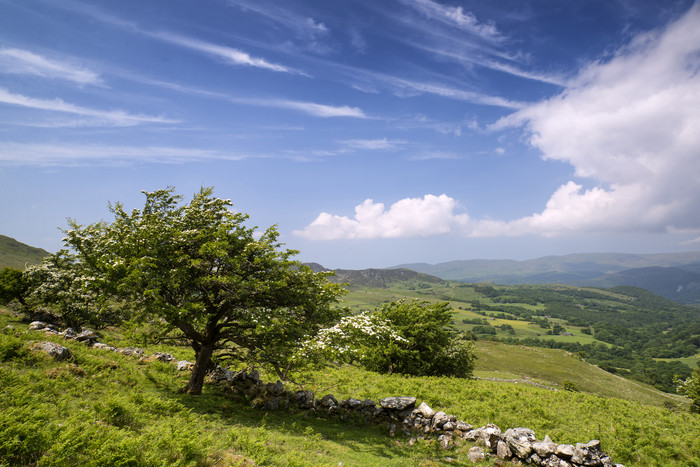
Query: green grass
[553, 367]
[103, 408]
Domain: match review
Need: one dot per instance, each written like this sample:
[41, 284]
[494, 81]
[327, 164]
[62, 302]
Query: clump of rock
[401, 414]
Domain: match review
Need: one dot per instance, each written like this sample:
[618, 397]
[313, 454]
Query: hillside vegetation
[15, 254]
[103, 408]
[624, 330]
[675, 276]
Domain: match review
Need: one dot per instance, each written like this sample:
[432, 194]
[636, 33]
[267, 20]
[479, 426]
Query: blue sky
[373, 133]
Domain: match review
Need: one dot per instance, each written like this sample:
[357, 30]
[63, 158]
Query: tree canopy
[429, 346]
[197, 268]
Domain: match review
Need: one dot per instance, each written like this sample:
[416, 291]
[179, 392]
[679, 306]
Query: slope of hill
[379, 278]
[18, 255]
[104, 408]
[676, 283]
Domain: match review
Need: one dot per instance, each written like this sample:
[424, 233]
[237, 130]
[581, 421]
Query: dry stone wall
[398, 414]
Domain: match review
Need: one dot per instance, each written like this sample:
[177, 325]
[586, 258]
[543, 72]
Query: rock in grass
[476, 454]
[425, 410]
[520, 441]
[56, 351]
[397, 403]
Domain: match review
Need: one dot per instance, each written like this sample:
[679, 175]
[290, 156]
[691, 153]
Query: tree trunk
[194, 387]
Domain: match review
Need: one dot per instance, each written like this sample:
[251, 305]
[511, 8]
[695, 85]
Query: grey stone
[461, 426]
[565, 451]
[544, 448]
[184, 365]
[503, 451]
[132, 351]
[87, 335]
[489, 435]
[449, 426]
[37, 325]
[56, 351]
[520, 441]
[439, 419]
[425, 410]
[328, 401]
[397, 403]
[303, 399]
[476, 454]
[254, 376]
[166, 357]
[445, 442]
[100, 345]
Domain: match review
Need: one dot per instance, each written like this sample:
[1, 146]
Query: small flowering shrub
[430, 346]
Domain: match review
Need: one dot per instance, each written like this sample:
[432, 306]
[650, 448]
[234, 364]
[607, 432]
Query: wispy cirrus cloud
[303, 26]
[101, 117]
[373, 144]
[19, 61]
[228, 54]
[68, 155]
[455, 17]
[311, 108]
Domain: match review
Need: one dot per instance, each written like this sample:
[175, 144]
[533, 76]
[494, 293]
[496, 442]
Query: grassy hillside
[625, 330]
[17, 255]
[103, 408]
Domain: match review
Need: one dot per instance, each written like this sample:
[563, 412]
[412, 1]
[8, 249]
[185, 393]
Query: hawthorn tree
[196, 267]
[429, 346]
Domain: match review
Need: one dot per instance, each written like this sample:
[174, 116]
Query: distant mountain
[676, 283]
[672, 275]
[18, 255]
[377, 278]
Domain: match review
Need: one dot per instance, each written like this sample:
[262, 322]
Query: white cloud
[48, 155]
[311, 108]
[99, 117]
[20, 61]
[373, 144]
[630, 124]
[455, 16]
[229, 54]
[409, 217]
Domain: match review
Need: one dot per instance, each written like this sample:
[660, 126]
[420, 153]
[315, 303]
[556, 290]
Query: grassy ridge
[107, 409]
[17, 255]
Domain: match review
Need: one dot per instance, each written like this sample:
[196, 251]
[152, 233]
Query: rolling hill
[672, 275]
[18, 255]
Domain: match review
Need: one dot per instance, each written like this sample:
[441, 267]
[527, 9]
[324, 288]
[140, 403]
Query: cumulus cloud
[409, 217]
[631, 125]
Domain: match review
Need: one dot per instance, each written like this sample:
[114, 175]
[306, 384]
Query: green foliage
[430, 346]
[691, 388]
[13, 286]
[69, 288]
[199, 271]
[570, 386]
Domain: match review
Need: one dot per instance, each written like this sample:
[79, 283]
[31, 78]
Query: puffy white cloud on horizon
[409, 217]
[630, 124]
